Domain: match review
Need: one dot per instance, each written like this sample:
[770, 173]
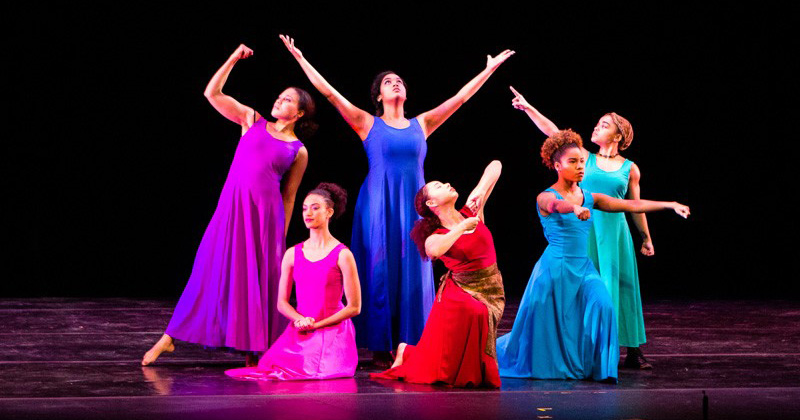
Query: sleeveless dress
[565, 327]
[457, 347]
[396, 284]
[325, 353]
[230, 299]
[612, 251]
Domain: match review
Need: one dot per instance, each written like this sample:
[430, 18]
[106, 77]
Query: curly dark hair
[335, 197]
[555, 146]
[375, 90]
[305, 127]
[427, 225]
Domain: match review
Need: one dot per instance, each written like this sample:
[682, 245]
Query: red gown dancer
[458, 343]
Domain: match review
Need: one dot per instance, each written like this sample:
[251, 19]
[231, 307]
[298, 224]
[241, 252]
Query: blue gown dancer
[565, 327]
[396, 284]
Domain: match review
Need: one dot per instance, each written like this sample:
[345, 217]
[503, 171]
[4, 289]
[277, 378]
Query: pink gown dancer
[326, 353]
[230, 299]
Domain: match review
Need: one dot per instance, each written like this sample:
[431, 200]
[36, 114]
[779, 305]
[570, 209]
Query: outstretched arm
[477, 199]
[431, 120]
[358, 119]
[639, 219]
[290, 184]
[549, 204]
[545, 125]
[352, 291]
[438, 244]
[229, 107]
[616, 205]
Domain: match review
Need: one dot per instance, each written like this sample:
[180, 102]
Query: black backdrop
[113, 160]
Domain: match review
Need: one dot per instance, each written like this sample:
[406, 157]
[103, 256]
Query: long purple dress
[325, 353]
[230, 299]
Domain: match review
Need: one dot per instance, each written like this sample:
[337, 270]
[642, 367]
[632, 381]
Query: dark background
[113, 160]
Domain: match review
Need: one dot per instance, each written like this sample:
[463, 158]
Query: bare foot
[250, 360]
[164, 344]
[398, 360]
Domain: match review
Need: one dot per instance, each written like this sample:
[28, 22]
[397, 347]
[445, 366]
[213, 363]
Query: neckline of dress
[303, 244]
[603, 170]
[273, 137]
[404, 128]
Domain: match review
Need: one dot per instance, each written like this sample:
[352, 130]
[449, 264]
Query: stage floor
[79, 359]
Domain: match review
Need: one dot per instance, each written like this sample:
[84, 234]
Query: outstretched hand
[682, 210]
[493, 63]
[242, 52]
[289, 42]
[582, 212]
[519, 101]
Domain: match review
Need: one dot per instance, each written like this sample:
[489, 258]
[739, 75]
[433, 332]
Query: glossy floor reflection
[79, 358]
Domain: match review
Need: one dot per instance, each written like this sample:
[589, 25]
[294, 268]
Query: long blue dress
[612, 252]
[565, 327]
[396, 284]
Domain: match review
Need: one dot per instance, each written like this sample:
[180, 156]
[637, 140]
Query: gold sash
[486, 286]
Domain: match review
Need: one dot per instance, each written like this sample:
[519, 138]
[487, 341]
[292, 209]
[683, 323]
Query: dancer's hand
[519, 101]
[304, 324]
[493, 63]
[241, 52]
[682, 210]
[474, 201]
[470, 223]
[289, 42]
[647, 248]
[582, 212]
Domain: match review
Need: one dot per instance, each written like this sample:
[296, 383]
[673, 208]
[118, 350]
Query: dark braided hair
[335, 197]
[305, 127]
[424, 227]
[375, 91]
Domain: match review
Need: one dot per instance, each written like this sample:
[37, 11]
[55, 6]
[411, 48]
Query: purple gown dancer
[325, 353]
[230, 298]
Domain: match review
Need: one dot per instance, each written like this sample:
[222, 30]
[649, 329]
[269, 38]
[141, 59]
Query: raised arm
[290, 184]
[229, 107]
[360, 120]
[352, 291]
[639, 219]
[477, 199]
[431, 120]
[438, 244]
[549, 204]
[545, 125]
[611, 204]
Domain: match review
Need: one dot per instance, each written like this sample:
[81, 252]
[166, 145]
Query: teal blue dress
[612, 251]
[565, 327]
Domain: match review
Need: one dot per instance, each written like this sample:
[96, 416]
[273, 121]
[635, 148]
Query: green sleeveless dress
[612, 251]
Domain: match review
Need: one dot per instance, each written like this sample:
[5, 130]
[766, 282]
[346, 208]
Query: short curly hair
[624, 128]
[558, 143]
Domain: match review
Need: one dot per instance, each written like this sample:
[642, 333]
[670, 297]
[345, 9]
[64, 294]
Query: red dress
[454, 347]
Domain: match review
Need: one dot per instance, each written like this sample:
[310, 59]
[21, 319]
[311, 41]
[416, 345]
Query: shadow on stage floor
[79, 358]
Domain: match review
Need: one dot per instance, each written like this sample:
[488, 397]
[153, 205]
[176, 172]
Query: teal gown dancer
[396, 283]
[612, 251]
[565, 327]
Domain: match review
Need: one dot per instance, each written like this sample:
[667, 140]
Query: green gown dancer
[611, 247]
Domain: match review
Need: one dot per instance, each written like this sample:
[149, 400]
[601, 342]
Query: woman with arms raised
[230, 298]
[397, 283]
